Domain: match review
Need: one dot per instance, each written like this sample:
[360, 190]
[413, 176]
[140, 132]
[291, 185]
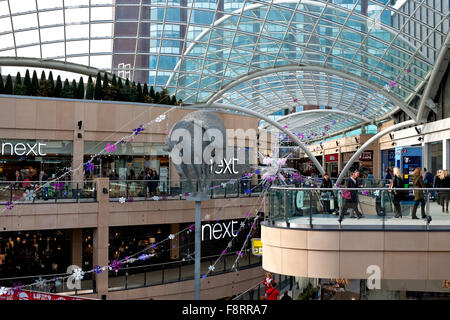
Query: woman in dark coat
[443, 181]
[397, 182]
[419, 196]
[326, 194]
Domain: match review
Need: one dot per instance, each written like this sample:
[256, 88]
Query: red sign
[366, 156]
[36, 295]
[332, 157]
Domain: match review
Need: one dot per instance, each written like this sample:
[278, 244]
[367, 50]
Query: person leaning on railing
[443, 181]
[419, 196]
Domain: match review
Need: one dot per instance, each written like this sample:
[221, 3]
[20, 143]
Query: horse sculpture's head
[195, 143]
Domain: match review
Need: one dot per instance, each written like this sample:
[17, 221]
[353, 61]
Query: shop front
[30, 253]
[364, 163]
[29, 157]
[331, 164]
[128, 161]
[387, 161]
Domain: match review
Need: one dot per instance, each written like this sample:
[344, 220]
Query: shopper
[443, 181]
[397, 182]
[326, 194]
[286, 296]
[419, 196]
[19, 179]
[429, 181]
[388, 175]
[272, 293]
[155, 181]
[352, 201]
[435, 185]
[44, 178]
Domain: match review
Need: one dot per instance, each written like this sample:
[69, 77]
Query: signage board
[257, 247]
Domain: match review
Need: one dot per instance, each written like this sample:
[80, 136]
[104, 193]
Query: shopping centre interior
[94, 203]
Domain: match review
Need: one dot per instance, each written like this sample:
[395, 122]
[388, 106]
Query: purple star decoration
[89, 166]
[97, 269]
[116, 265]
[138, 130]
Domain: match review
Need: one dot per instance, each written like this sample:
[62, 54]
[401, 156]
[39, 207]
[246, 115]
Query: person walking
[272, 293]
[436, 177]
[352, 201]
[326, 194]
[397, 182]
[419, 196]
[155, 181]
[388, 175]
[443, 181]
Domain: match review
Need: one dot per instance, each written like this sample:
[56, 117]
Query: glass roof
[372, 56]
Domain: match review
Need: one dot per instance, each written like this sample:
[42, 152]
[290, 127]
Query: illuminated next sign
[219, 230]
[21, 148]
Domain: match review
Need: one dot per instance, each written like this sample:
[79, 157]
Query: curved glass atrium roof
[357, 56]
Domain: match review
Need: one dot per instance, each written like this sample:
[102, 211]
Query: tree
[120, 84]
[157, 97]
[98, 94]
[58, 87]
[34, 84]
[74, 89]
[173, 101]
[80, 89]
[114, 81]
[51, 85]
[19, 89]
[105, 82]
[152, 93]
[27, 83]
[67, 91]
[8, 85]
[164, 97]
[2, 86]
[139, 93]
[145, 91]
[43, 79]
[90, 89]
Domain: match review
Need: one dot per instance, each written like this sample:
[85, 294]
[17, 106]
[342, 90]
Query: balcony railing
[26, 192]
[178, 189]
[131, 277]
[307, 207]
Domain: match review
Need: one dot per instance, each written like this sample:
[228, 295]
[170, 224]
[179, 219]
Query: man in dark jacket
[429, 181]
[351, 203]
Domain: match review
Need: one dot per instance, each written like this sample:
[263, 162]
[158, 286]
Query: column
[77, 247]
[101, 236]
[174, 251]
[445, 154]
[78, 143]
[426, 156]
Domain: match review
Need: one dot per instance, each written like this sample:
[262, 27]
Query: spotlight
[420, 138]
[417, 130]
[337, 150]
[80, 124]
[337, 143]
[105, 190]
[356, 139]
[80, 135]
[391, 135]
[393, 143]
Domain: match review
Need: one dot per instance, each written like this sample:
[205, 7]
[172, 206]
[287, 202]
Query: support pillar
[77, 247]
[426, 156]
[445, 154]
[101, 236]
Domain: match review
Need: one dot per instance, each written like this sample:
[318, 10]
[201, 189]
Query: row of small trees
[104, 89]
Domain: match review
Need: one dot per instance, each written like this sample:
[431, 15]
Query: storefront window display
[126, 241]
[28, 253]
[128, 161]
[30, 157]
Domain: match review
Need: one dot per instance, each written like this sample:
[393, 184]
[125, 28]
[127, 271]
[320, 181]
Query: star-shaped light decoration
[110, 148]
[3, 290]
[242, 224]
[138, 130]
[211, 268]
[40, 283]
[274, 168]
[122, 200]
[143, 257]
[207, 216]
[78, 274]
[156, 198]
[386, 87]
[115, 265]
[171, 236]
[89, 166]
[9, 205]
[29, 195]
[97, 269]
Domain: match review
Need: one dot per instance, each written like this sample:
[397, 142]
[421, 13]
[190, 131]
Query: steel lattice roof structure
[264, 56]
